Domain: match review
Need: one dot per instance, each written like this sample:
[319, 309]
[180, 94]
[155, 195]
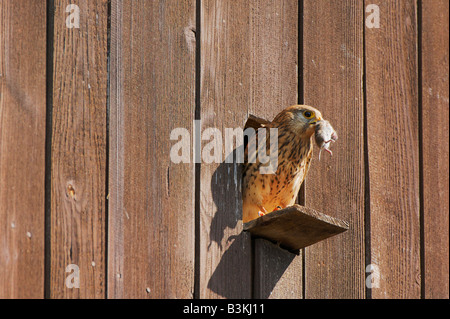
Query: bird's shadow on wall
[232, 277]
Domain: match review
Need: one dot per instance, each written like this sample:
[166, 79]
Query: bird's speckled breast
[293, 164]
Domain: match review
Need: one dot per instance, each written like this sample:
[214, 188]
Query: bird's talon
[277, 208]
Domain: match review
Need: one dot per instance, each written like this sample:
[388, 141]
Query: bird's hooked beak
[316, 120]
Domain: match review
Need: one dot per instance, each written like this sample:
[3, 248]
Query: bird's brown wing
[255, 123]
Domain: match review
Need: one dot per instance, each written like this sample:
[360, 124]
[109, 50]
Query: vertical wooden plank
[151, 210]
[225, 252]
[333, 72]
[248, 65]
[435, 147]
[278, 272]
[22, 147]
[274, 86]
[78, 164]
[393, 144]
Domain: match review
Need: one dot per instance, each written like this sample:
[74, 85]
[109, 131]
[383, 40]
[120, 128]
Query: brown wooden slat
[151, 202]
[333, 72]
[295, 227]
[78, 164]
[274, 86]
[225, 252]
[22, 147]
[393, 146]
[249, 55]
[278, 272]
[435, 147]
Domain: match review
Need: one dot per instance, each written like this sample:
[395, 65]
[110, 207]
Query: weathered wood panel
[152, 239]
[225, 252]
[151, 211]
[277, 273]
[393, 149]
[22, 147]
[274, 85]
[295, 227]
[248, 65]
[333, 72]
[435, 146]
[78, 150]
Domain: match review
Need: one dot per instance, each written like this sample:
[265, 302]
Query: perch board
[295, 227]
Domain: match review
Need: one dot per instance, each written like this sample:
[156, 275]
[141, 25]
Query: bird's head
[300, 119]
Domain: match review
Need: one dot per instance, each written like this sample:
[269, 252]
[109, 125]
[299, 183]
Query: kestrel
[264, 193]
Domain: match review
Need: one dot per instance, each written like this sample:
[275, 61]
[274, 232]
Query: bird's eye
[308, 114]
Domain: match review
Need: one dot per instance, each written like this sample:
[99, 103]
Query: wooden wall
[86, 116]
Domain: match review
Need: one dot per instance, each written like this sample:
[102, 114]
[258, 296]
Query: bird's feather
[264, 193]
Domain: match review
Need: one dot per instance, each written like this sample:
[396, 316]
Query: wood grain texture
[295, 227]
[225, 252]
[274, 86]
[333, 73]
[152, 239]
[435, 147]
[78, 163]
[22, 147]
[249, 60]
[151, 207]
[277, 273]
[393, 146]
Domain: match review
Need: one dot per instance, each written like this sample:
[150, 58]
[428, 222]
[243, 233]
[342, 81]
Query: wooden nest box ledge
[295, 227]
